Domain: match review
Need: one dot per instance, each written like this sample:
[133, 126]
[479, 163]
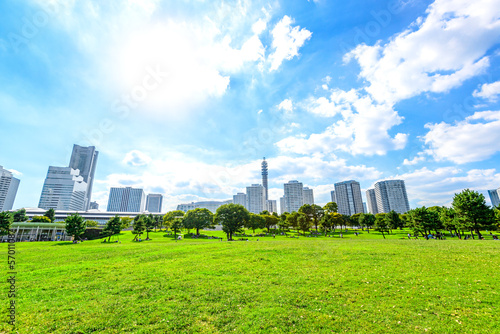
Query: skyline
[185, 99]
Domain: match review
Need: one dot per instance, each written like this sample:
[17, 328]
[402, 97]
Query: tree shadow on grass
[63, 243]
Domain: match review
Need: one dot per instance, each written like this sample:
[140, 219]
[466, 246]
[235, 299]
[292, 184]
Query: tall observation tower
[264, 175]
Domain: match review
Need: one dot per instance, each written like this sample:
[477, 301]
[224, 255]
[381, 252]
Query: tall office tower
[63, 189]
[264, 177]
[332, 194]
[272, 206]
[240, 198]
[94, 206]
[126, 200]
[294, 195]
[8, 189]
[256, 198]
[282, 205]
[391, 195]
[154, 202]
[308, 196]
[211, 206]
[372, 201]
[348, 195]
[85, 159]
[495, 197]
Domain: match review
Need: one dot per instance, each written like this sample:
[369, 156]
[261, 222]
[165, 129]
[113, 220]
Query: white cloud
[286, 105]
[286, 41]
[416, 160]
[445, 49]
[489, 91]
[474, 139]
[15, 172]
[136, 158]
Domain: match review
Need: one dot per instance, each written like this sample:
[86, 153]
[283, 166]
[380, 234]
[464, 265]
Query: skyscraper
[372, 201]
[332, 194]
[391, 195]
[264, 177]
[63, 189]
[94, 206]
[494, 196]
[240, 198]
[282, 205]
[8, 189]
[308, 196]
[126, 200]
[154, 202]
[272, 206]
[256, 198]
[294, 195]
[349, 199]
[85, 160]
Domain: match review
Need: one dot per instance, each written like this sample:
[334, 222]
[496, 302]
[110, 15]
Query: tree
[149, 223]
[346, 221]
[330, 220]
[92, 223]
[330, 207]
[392, 219]
[313, 212]
[304, 222]
[269, 221]
[497, 216]
[6, 219]
[355, 219]
[138, 226]
[125, 222]
[20, 216]
[176, 225]
[170, 216]
[75, 225]
[447, 218]
[199, 219]
[40, 219]
[113, 226]
[51, 214]
[472, 212]
[283, 224]
[232, 217]
[291, 220]
[367, 220]
[158, 222]
[381, 224]
[255, 222]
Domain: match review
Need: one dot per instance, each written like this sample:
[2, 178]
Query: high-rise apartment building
[63, 189]
[308, 196]
[154, 203]
[391, 195]
[349, 199]
[372, 201]
[256, 198]
[126, 199]
[294, 195]
[332, 195]
[282, 205]
[272, 206]
[8, 189]
[85, 160]
[240, 198]
[264, 178]
[212, 206]
[495, 197]
[94, 206]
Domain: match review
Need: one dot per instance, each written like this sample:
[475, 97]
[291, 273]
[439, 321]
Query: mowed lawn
[275, 285]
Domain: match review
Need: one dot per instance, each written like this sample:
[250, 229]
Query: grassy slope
[361, 284]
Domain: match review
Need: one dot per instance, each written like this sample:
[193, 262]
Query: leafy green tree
[138, 226]
[199, 219]
[6, 219]
[392, 219]
[346, 221]
[169, 217]
[269, 221]
[92, 223]
[283, 224]
[291, 220]
[355, 219]
[75, 225]
[40, 219]
[149, 222]
[255, 222]
[472, 212]
[497, 216]
[125, 222]
[232, 217]
[113, 227]
[20, 215]
[330, 207]
[158, 222]
[367, 220]
[448, 221]
[304, 222]
[381, 224]
[177, 225]
[51, 214]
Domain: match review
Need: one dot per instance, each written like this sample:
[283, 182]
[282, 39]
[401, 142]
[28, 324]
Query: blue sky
[186, 97]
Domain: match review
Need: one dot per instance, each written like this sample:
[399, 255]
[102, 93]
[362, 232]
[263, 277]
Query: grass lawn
[355, 284]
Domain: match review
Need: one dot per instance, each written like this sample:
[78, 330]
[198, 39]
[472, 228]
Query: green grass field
[359, 284]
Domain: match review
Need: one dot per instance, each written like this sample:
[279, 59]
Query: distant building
[240, 198]
[63, 189]
[85, 160]
[282, 205]
[126, 199]
[256, 198]
[332, 194]
[365, 209]
[94, 206]
[391, 195]
[154, 203]
[294, 195]
[272, 206]
[8, 189]
[212, 206]
[348, 195]
[494, 197]
[372, 201]
[307, 195]
[264, 178]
